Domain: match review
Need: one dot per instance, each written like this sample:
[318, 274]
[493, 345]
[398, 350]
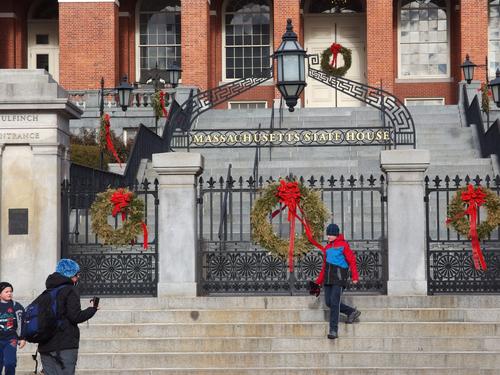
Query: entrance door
[320, 31]
[43, 46]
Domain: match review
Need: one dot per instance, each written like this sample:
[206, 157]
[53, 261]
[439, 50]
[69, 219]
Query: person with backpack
[60, 353]
[10, 329]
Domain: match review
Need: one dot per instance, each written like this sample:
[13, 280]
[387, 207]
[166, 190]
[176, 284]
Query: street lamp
[290, 58]
[124, 92]
[174, 74]
[468, 69]
[495, 88]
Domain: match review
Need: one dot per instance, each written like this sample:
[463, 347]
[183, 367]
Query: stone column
[406, 220]
[178, 243]
[34, 139]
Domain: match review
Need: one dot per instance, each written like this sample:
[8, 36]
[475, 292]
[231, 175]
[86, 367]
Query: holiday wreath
[463, 213]
[112, 202]
[303, 204]
[330, 67]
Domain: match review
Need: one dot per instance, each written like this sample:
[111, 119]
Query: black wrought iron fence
[450, 268]
[110, 269]
[233, 264]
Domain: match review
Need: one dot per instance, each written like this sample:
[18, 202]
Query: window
[247, 105]
[423, 41]
[159, 34]
[412, 102]
[247, 38]
[494, 37]
[42, 39]
[335, 6]
[46, 10]
[42, 61]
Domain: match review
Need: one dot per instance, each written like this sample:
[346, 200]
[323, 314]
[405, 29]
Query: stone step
[287, 359]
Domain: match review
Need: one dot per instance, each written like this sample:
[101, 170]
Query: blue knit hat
[67, 267]
[332, 230]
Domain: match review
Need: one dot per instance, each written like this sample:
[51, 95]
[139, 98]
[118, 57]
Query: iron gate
[450, 268]
[232, 264]
[109, 269]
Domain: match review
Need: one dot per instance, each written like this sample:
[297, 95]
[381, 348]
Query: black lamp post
[174, 74]
[290, 57]
[468, 69]
[495, 88]
[124, 94]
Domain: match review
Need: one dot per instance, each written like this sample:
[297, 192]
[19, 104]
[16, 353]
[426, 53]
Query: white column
[406, 220]
[177, 248]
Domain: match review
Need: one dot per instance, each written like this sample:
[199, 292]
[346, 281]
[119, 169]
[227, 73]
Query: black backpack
[40, 320]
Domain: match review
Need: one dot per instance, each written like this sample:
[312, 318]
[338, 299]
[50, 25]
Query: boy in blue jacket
[11, 314]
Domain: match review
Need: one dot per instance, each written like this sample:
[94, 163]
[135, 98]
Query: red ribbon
[474, 198]
[162, 104]
[109, 141]
[121, 200]
[335, 49]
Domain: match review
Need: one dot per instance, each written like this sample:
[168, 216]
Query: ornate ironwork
[231, 263]
[396, 113]
[109, 269]
[450, 268]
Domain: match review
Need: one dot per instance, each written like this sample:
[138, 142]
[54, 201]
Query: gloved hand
[314, 289]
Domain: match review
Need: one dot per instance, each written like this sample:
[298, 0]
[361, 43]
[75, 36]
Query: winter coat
[339, 259]
[69, 313]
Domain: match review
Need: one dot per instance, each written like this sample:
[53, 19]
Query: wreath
[310, 206]
[112, 202]
[458, 219]
[158, 104]
[330, 68]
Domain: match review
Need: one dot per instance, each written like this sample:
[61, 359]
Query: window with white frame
[494, 37]
[424, 39]
[247, 105]
[247, 38]
[159, 34]
[412, 102]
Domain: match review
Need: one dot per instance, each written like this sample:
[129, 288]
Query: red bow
[335, 49]
[162, 103]
[474, 198]
[109, 141]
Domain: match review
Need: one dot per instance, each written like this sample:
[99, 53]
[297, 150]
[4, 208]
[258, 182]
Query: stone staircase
[438, 128]
[435, 335]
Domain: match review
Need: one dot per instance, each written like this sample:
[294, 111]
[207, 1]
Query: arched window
[247, 44]
[423, 40]
[334, 6]
[494, 37]
[159, 34]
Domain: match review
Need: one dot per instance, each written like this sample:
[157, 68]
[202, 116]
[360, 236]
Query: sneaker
[351, 318]
[332, 335]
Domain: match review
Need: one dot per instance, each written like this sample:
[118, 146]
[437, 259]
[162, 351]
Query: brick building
[413, 48]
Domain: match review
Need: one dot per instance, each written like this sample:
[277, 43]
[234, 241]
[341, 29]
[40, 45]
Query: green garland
[102, 208]
[331, 70]
[461, 223]
[156, 104]
[315, 214]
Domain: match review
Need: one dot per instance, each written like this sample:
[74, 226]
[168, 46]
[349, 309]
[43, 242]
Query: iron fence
[450, 268]
[230, 263]
[110, 269]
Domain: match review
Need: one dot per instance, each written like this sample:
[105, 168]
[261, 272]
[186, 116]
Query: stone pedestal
[178, 233]
[406, 220]
[34, 145]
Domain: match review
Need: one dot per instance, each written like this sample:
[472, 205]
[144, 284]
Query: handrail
[256, 161]
[223, 216]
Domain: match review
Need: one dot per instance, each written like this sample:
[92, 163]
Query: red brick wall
[88, 42]
[380, 43]
[7, 43]
[195, 28]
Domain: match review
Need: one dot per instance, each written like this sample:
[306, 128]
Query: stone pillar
[34, 139]
[406, 220]
[195, 31]
[93, 24]
[380, 43]
[178, 243]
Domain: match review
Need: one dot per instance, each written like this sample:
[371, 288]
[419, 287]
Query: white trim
[230, 103]
[124, 14]
[422, 78]
[117, 2]
[223, 41]
[7, 15]
[424, 99]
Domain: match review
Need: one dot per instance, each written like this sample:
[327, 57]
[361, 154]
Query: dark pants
[64, 365]
[333, 294]
[8, 350]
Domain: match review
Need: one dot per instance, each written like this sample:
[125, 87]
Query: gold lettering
[360, 136]
[307, 136]
[387, 136]
[197, 138]
[323, 137]
[350, 136]
[370, 135]
[246, 138]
